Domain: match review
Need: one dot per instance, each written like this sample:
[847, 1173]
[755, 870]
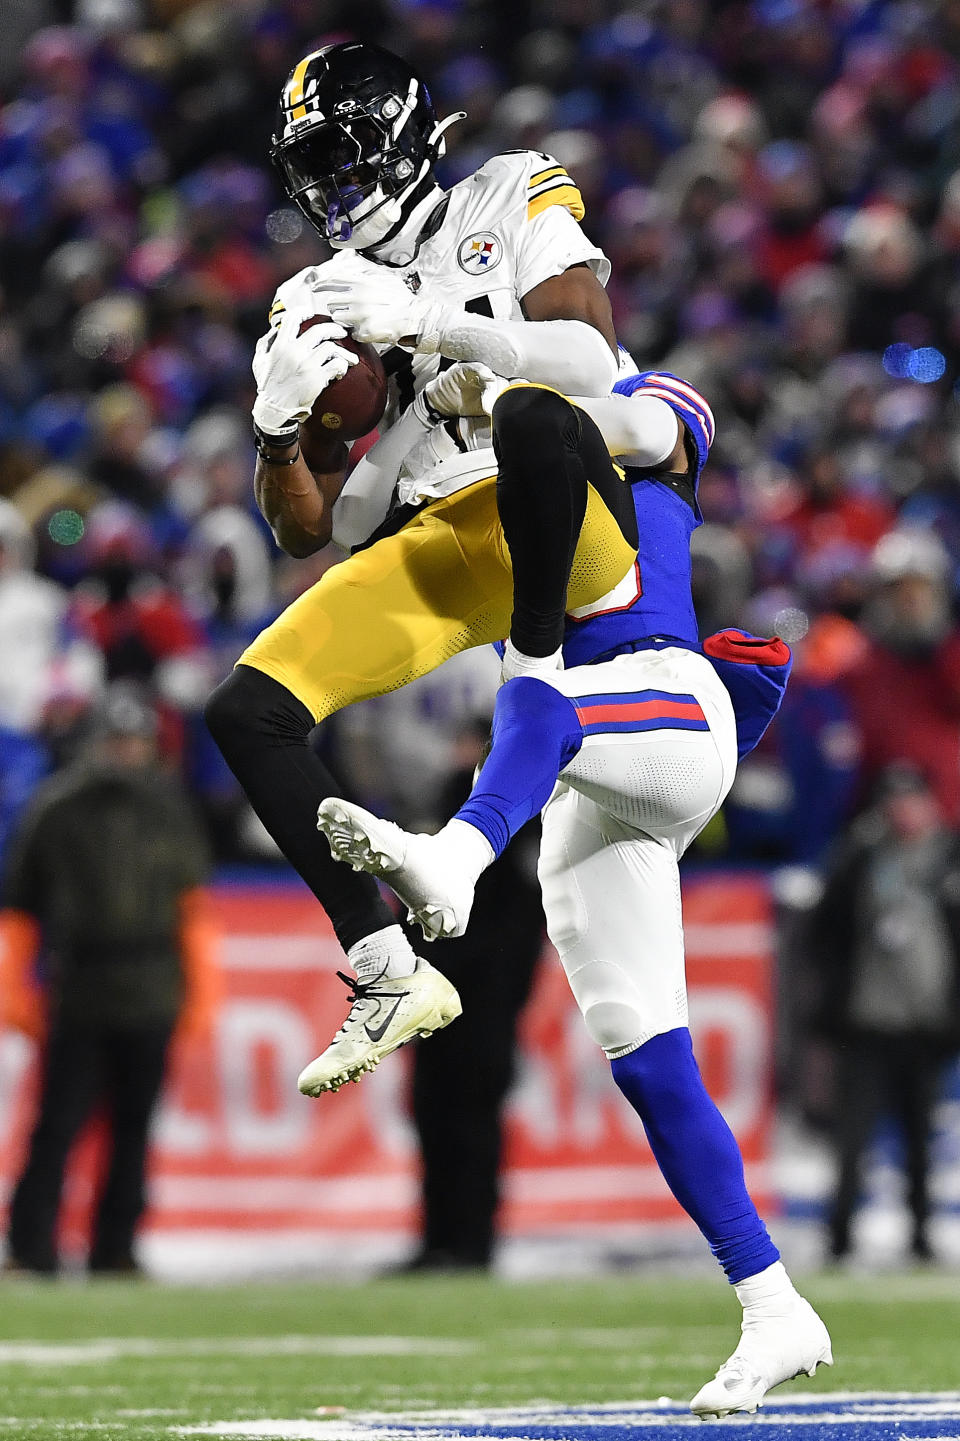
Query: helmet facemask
[358, 165]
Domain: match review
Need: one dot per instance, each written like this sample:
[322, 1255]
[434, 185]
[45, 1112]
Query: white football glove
[466, 388]
[382, 309]
[291, 369]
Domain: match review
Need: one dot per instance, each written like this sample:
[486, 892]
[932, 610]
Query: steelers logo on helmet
[356, 138]
[480, 253]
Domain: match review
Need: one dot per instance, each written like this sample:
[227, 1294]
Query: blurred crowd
[777, 184]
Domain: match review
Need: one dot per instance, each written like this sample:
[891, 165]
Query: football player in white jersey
[430, 277]
[497, 271]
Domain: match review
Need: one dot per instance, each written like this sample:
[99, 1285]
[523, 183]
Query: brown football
[350, 407]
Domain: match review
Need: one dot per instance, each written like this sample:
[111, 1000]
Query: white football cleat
[771, 1350]
[437, 894]
[384, 1013]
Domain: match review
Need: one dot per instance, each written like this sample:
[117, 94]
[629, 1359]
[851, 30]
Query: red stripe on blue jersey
[683, 392]
[682, 397]
[625, 712]
[677, 401]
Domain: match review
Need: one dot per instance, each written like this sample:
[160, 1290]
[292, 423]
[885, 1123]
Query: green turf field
[173, 1356]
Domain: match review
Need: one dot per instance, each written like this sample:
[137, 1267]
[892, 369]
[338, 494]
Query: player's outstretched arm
[567, 341]
[642, 430]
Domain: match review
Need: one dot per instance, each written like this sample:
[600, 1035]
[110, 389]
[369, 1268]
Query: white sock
[515, 663]
[467, 848]
[384, 953]
[766, 1292]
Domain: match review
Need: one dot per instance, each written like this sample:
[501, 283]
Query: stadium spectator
[103, 886]
[38, 657]
[33, 632]
[885, 939]
[904, 688]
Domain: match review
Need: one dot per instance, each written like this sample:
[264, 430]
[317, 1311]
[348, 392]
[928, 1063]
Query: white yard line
[884, 1289]
[109, 1348]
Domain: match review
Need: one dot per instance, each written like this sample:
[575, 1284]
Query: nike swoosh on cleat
[377, 1033]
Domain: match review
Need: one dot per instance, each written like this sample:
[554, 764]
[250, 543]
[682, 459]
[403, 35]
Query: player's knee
[249, 703]
[613, 1025]
[522, 416]
[612, 1008]
[226, 710]
[531, 706]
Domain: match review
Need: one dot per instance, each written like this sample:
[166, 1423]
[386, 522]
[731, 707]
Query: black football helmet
[355, 137]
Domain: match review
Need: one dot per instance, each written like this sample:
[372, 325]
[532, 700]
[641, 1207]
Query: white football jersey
[506, 228]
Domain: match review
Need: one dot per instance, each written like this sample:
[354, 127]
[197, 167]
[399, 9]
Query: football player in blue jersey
[629, 750]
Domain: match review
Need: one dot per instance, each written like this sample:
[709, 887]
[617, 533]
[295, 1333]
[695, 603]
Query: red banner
[237, 1147]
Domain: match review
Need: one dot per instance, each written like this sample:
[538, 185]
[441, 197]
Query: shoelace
[360, 991]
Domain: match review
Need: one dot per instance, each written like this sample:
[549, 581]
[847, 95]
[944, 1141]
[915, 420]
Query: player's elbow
[297, 542]
[650, 429]
[297, 549]
[354, 518]
[588, 365]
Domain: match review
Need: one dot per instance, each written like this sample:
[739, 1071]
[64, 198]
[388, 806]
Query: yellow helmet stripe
[295, 98]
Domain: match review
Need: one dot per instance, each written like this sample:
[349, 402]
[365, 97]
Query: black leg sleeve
[547, 452]
[542, 499]
[263, 732]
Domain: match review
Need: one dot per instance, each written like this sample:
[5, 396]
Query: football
[350, 407]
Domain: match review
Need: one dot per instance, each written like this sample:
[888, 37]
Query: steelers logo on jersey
[480, 253]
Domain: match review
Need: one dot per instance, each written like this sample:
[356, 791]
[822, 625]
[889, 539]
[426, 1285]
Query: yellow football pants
[439, 586]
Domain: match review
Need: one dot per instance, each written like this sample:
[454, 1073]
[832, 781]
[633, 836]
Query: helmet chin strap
[370, 230]
[401, 245]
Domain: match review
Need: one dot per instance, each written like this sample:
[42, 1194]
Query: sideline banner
[237, 1147]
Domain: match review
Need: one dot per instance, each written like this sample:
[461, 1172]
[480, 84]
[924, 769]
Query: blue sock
[536, 733]
[695, 1150]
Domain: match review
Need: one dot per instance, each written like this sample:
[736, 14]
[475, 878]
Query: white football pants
[621, 816]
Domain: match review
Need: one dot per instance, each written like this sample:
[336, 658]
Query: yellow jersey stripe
[561, 178]
[295, 97]
[276, 309]
[546, 174]
[567, 195]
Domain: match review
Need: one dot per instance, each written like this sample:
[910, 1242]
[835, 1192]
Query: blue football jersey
[655, 599]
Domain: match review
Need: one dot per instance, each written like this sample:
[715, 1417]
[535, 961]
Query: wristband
[264, 441]
[427, 413]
